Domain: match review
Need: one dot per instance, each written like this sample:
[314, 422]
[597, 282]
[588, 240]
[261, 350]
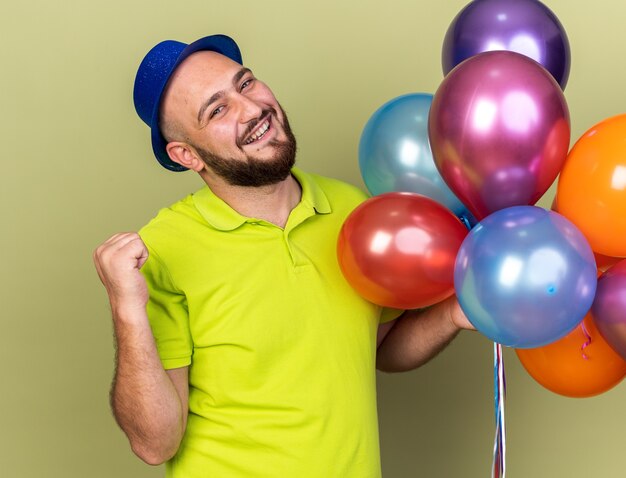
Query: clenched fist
[118, 261]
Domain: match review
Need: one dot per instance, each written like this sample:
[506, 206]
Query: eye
[216, 111]
[246, 83]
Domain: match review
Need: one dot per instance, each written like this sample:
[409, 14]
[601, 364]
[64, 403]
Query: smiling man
[257, 149]
[241, 349]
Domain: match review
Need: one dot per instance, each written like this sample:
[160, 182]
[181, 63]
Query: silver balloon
[395, 153]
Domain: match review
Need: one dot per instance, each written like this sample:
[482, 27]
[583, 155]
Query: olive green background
[77, 167]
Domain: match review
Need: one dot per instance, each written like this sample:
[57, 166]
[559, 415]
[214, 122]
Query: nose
[249, 109]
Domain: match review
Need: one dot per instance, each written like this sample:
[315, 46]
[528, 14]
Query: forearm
[144, 400]
[417, 336]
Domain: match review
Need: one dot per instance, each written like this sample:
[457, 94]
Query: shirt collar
[312, 193]
[224, 218]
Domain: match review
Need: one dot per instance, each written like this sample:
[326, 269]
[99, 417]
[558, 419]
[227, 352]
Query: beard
[254, 172]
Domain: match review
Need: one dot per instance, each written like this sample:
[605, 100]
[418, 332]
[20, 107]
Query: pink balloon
[499, 131]
[609, 307]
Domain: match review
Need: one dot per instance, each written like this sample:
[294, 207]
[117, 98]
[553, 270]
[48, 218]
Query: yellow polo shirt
[281, 349]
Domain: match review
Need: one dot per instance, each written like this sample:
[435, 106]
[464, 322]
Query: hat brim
[218, 43]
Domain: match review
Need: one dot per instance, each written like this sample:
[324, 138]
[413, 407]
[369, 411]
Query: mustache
[269, 111]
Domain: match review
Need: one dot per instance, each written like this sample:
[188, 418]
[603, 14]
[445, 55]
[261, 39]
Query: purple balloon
[609, 307]
[499, 131]
[523, 26]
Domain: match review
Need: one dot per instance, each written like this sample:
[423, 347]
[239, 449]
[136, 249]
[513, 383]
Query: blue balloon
[468, 220]
[525, 276]
[395, 154]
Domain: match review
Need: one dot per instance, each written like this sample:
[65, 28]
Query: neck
[272, 203]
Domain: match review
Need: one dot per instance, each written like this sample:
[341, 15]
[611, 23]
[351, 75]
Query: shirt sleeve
[168, 314]
[387, 314]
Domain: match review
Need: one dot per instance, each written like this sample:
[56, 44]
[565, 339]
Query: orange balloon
[592, 187]
[604, 262]
[578, 365]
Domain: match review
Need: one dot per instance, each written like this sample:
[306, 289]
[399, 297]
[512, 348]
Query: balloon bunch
[481, 152]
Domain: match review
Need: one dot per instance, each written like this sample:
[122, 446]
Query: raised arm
[149, 403]
[418, 335]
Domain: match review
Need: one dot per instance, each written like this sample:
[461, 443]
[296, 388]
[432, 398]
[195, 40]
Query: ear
[185, 155]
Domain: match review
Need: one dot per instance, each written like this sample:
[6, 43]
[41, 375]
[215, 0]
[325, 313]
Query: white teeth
[259, 132]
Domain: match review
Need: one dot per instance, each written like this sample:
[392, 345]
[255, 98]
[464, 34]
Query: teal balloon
[525, 277]
[395, 153]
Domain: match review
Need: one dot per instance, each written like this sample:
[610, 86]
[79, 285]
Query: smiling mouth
[259, 132]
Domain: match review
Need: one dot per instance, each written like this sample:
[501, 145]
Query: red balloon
[398, 250]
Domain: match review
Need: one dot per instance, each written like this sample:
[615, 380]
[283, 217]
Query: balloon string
[498, 469]
[587, 343]
[500, 416]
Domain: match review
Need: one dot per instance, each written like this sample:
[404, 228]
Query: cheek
[265, 95]
[222, 136]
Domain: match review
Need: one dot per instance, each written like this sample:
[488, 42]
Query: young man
[241, 349]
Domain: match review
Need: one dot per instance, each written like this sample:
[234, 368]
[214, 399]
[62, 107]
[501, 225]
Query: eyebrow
[236, 77]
